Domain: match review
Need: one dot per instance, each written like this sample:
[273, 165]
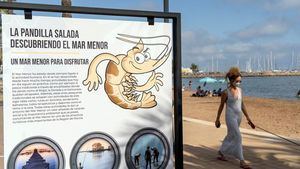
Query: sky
[218, 34]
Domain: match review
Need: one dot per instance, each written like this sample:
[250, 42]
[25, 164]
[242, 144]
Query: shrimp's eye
[147, 55]
[139, 58]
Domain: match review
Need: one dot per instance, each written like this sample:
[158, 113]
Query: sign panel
[84, 93]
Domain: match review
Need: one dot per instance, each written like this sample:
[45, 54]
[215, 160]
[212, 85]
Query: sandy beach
[279, 116]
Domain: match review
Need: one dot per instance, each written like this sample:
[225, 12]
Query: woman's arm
[247, 116]
[245, 111]
[221, 107]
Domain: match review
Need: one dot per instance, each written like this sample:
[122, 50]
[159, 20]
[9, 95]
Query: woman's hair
[233, 73]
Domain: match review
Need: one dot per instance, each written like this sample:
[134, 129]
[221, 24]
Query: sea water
[279, 87]
[96, 160]
[50, 158]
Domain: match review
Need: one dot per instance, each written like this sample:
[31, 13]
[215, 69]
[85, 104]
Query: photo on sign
[37, 155]
[147, 149]
[97, 151]
[120, 84]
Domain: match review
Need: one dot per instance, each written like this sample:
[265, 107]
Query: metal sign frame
[150, 15]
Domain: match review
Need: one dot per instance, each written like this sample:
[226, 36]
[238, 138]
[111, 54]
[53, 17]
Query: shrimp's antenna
[165, 50]
[135, 42]
[145, 37]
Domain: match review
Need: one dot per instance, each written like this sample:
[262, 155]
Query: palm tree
[10, 11]
[4, 11]
[194, 68]
[7, 11]
[66, 3]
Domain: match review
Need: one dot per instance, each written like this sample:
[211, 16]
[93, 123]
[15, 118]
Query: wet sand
[279, 116]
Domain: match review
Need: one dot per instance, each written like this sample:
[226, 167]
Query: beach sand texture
[261, 150]
[279, 116]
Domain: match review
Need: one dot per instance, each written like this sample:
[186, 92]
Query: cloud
[199, 36]
[238, 47]
[203, 48]
[252, 42]
[199, 42]
[268, 28]
[282, 4]
[270, 5]
[198, 45]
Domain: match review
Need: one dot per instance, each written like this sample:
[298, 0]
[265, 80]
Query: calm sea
[266, 87]
[97, 160]
[50, 158]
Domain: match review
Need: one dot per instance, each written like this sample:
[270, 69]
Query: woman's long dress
[232, 144]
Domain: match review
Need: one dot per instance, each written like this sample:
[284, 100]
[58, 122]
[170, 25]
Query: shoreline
[275, 115]
[222, 75]
[295, 98]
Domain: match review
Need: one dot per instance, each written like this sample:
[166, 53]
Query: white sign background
[100, 114]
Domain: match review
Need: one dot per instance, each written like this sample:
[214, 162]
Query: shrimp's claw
[128, 79]
[126, 84]
[148, 100]
[133, 78]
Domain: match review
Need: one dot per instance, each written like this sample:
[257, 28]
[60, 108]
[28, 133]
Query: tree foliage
[194, 68]
[66, 3]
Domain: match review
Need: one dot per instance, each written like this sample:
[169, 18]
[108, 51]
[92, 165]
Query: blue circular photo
[148, 148]
[37, 152]
[95, 151]
[37, 156]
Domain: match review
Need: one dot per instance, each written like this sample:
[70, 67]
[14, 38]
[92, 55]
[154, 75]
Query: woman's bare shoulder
[240, 89]
[224, 94]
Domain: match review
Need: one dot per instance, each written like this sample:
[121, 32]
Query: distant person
[219, 92]
[137, 159]
[204, 84]
[206, 93]
[183, 87]
[148, 157]
[214, 93]
[232, 96]
[199, 91]
[155, 155]
[190, 85]
[80, 166]
[299, 93]
[210, 94]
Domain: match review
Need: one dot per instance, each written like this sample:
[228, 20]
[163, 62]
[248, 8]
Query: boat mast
[293, 55]
[212, 63]
[271, 60]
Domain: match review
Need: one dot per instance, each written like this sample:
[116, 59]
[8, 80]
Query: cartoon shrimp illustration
[120, 84]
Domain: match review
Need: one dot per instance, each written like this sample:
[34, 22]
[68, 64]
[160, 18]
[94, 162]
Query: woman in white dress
[232, 96]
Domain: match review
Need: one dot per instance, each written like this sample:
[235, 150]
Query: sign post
[78, 88]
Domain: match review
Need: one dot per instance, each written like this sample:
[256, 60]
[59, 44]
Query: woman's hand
[218, 123]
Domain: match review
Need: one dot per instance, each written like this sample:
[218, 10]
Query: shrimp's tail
[148, 100]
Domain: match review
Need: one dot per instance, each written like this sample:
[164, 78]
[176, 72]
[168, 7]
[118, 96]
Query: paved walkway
[261, 150]
[202, 139]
